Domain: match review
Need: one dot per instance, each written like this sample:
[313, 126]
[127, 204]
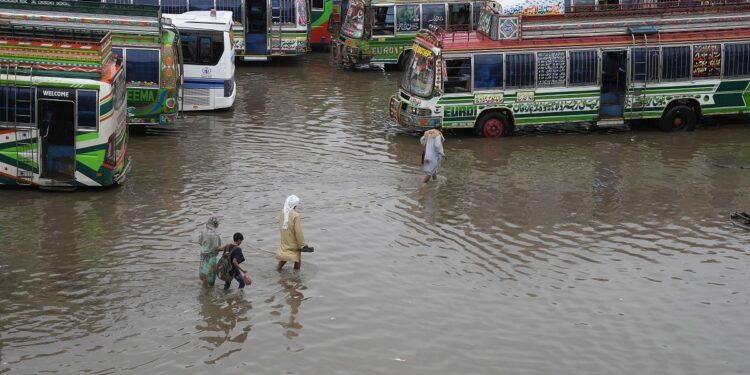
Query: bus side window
[174, 6]
[675, 63]
[519, 70]
[87, 110]
[433, 15]
[645, 64]
[383, 20]
[458, 76]
[477, 11]
[488, 72]
[583, 69]
[736, 60]
[459, 17]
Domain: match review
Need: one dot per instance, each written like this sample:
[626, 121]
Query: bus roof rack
[74, 51]
[124, 18]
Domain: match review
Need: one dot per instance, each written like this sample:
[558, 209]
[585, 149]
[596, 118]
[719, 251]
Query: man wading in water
[432, 151]
[293, 242]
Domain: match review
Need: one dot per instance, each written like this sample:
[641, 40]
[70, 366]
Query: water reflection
[292, 287]
[226, 317]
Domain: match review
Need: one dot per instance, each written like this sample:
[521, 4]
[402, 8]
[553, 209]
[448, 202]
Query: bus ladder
[26, 146]
[639, 89]
[276, 22]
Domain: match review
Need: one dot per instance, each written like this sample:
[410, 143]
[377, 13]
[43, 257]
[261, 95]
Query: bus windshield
[419, 76]
[354, 23]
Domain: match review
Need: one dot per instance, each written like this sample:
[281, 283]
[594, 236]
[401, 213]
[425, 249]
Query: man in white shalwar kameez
[432, 141]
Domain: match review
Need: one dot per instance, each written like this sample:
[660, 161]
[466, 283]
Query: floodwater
[598, 253]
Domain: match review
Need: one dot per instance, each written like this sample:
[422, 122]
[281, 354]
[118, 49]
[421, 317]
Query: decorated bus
[148, 47]
[382, 32]
[62, 109]
[208, 59]
[262, 28]
[673, 62]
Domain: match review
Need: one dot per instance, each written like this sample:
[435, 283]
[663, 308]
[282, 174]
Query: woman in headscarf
[292, 239]
[209, 241]
[432, 141]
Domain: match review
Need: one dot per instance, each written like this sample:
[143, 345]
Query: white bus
[208, 59]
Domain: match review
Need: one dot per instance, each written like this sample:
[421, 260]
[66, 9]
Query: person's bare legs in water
[297, 265]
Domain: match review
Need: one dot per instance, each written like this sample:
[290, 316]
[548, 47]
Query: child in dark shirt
[236, 257]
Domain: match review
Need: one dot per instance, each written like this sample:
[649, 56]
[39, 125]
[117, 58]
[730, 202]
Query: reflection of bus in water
[601, 68]
[382, 31]
[62, 109]
[148, 47]
[208, 58]
[262, 28]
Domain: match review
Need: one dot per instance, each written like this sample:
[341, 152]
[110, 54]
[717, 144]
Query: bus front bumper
[412, 118]
[346, 53]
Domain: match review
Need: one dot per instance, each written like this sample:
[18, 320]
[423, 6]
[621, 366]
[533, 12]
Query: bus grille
[200, 97]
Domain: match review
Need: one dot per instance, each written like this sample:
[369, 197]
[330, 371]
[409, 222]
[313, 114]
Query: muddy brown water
[598, 253]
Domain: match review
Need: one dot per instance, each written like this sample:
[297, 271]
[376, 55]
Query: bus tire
[679, 118]
[493, 125]
[404, 60]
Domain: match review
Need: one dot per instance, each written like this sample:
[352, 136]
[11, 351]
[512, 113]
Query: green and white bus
[675, 65]
[62, 109]
[382, 32]
[148, 46]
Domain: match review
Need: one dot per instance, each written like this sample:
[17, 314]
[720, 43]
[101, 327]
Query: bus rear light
[228, 87]
[110, 156]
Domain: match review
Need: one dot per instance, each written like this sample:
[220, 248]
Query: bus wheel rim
[493, 128]
[677, 122]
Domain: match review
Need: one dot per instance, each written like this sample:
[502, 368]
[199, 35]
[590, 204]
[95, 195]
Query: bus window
[519, 70]
[318, 4]
[20, 112]
[87, 109]
[583, 69]
[458, 76]
[201, 47]
[433, 15]
[382, 20]
[142, 67]
[550, 69]
[675, 63]
[283, 10]
[459, 16]
[488, 72]
[201, 4]
[407, 18]
[736, 60]
[146, 2]
[174, 6]
[477, 10]
[645, 64]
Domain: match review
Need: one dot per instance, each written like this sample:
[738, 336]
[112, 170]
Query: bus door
[256, 37]
[614, 84]
[56, 114]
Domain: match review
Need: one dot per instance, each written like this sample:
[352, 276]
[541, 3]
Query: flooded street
[598, 253]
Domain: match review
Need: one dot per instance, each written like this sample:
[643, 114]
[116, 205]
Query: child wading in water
[236, 257]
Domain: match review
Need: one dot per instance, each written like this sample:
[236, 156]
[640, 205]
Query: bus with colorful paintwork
[208, 59]
[262, 28]
[149, 48]
[380, 32]
[670, 62]
[325, 19]
[63, 117]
